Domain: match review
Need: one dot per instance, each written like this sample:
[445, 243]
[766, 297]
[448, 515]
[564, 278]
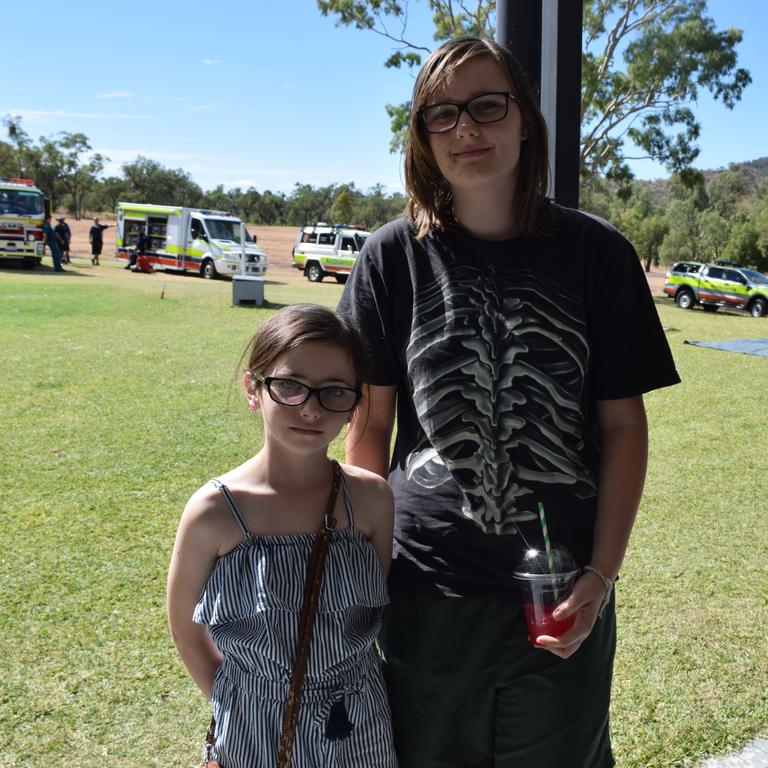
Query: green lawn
[119, 402]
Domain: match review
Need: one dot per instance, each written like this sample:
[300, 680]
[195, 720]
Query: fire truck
[23, 208]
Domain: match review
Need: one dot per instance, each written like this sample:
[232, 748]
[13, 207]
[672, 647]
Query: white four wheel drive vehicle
[180, 238]
[323, 249]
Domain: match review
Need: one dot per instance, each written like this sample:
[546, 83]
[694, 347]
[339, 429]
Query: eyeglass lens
[289, 392]
[486, 108]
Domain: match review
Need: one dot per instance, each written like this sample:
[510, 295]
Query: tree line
[711, 216]
[719, 215]
[70, 175]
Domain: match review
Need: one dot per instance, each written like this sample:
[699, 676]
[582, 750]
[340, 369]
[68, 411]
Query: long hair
[430, 202]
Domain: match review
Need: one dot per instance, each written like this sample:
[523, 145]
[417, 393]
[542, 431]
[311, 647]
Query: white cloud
[43, 115]
[211, 61]
[116, 95]
[164, 99]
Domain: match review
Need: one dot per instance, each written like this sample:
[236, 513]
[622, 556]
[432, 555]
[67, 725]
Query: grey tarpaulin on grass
[745, 346]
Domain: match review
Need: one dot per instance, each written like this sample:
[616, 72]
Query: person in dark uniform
[139, 250]
[64, 235]
[96, 239]
[53, 243]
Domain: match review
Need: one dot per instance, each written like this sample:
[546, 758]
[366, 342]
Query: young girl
[236, 581]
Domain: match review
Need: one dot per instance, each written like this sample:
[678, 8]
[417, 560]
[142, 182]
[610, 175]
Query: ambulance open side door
[176, 245]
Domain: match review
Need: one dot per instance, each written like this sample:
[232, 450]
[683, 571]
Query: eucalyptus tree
[644, 63]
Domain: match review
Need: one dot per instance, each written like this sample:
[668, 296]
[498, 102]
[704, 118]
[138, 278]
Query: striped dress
[251, 604]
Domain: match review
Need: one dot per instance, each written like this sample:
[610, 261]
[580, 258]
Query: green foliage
[450, 20]
[743, 246]
[643, 62]
[117, 405]
[150, 182]
[727, 189]
[78, 176]
[399, 120]
[61, 167]
[342, 209]
[715, 233]
[701, 216]
[647, 232]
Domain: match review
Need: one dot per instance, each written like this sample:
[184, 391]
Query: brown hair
[430, 203]
[300, 324]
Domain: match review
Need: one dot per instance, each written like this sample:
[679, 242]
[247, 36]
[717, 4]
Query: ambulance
[179, 238]
[23, 208]
[325, 249]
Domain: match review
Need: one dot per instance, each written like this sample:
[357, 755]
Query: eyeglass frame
[316, 391]
[464, 107]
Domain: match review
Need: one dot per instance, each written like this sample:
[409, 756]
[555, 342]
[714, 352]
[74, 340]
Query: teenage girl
[513, 340]
[236, 581]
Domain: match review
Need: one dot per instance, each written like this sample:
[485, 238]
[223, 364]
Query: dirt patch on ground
[276, 241]
[656, 280]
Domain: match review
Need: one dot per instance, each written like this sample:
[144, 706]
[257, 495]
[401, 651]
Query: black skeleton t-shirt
[500, 351]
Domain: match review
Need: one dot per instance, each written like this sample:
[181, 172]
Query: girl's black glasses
[293, 393]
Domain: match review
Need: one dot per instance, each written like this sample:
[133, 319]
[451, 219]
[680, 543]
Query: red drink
[540, 621]
[544, 581]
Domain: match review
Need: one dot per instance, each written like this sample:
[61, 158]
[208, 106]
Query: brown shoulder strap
[306, 624]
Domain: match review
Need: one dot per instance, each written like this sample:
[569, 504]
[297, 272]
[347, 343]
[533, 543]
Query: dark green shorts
[469, 691]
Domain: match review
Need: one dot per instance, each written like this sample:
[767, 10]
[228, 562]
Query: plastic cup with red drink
[545, 580]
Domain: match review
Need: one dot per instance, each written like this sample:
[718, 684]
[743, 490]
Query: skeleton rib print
[497, 363]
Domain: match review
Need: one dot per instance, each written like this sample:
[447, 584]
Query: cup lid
[535, 564]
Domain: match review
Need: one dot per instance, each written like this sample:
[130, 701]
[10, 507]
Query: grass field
[119, 400]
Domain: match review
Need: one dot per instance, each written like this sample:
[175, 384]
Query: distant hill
[756, 172]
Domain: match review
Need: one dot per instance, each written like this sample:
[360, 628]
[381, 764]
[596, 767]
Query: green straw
[546, 538]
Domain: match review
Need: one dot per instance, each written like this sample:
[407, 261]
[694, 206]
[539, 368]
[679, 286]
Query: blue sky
[267, 92]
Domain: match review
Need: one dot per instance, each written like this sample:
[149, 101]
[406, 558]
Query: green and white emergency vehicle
[23, 208]
[714, 286]
[179, 238]
[322, 250]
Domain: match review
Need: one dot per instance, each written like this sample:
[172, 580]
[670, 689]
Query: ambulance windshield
[222, 229]
[21, 202]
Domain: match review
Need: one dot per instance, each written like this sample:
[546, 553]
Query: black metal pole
[545, 37]
[518, 28]
[568, 108]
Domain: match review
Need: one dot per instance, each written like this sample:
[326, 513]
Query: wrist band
[607, 583]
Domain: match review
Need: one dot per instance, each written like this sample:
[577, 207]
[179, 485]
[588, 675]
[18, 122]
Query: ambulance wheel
[758, 308]
[315, 273]
[208, 270]
[684, 299]
[341, 279]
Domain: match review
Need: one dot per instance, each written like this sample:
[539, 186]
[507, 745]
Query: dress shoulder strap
[347, 502]
[231, 502]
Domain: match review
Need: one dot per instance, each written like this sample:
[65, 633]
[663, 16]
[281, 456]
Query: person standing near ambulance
[53, 244]
[96, 239]
[64, 234]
